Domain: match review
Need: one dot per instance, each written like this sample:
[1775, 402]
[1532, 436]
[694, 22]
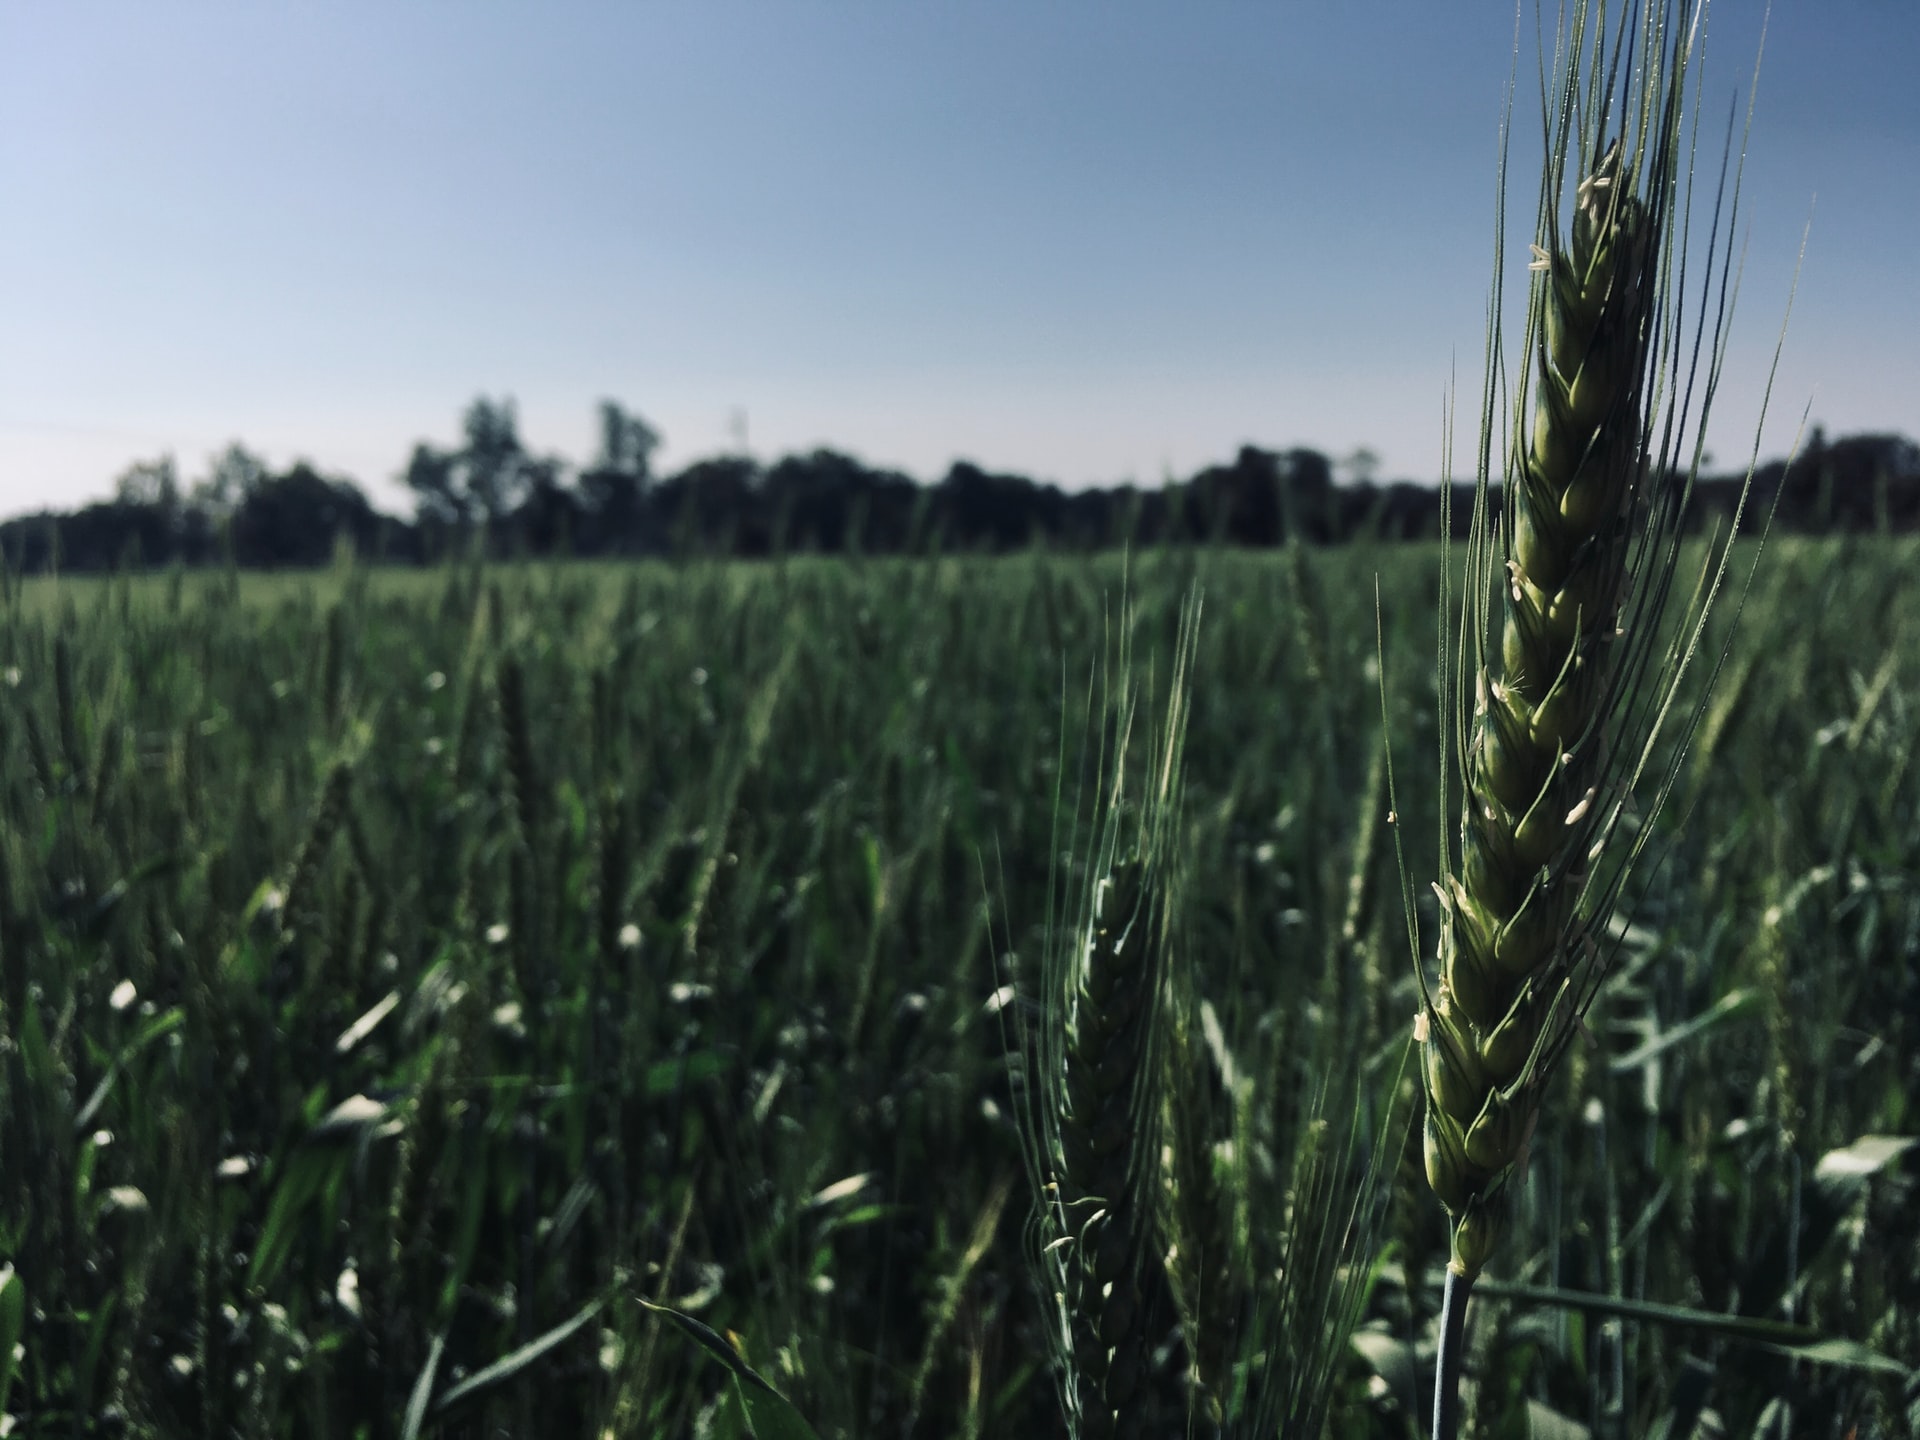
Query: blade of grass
[1801, 1342]
[512, 1363]
[768, 1411]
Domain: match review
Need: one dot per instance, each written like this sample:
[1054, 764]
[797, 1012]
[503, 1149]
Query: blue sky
[1086, 241]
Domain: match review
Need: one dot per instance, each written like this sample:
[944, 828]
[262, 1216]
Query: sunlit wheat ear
[1562, 678]
[1540, 734]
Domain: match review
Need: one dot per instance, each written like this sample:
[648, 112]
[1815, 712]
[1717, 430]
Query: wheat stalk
[1545, 717]
[1095, 1148]
[1108, 1122]
[1205, 1257]
[1581, 549]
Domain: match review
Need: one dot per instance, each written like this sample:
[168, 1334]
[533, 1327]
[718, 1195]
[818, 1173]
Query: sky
[1089, 242]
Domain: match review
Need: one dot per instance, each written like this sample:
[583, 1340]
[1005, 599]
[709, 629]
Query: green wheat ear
[1098, 1055]
[1541, 733]
[1580, 548]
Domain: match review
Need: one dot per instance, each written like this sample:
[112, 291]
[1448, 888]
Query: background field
[402, 969]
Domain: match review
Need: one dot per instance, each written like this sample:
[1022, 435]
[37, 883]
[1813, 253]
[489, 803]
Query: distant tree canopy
[613, 489]
[300, 517]
[241, 510]
[491, 482]
[493, 492]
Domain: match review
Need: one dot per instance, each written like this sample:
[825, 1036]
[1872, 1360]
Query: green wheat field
[410, 979]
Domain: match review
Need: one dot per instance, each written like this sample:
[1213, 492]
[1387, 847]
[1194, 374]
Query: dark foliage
[492, 494]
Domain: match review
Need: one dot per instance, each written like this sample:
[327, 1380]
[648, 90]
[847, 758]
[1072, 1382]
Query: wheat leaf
[512, 1363]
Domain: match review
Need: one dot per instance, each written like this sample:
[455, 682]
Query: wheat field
[410, 978]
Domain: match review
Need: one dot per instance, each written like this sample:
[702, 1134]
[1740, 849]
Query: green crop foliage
[408, 981]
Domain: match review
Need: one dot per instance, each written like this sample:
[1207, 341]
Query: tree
[494, 463]
[832, 502]
[487, 481]
[230, 479]
[438, 500]
[548, 516]
[1362, 467]
[614, 489]
[975, 509]
[1242, 503]
[713, 506]
[627, 442]
[295, 518]
[149, 482]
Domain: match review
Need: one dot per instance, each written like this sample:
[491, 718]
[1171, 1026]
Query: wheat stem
[1446, 1365]
[1580, 549]
[1099, 1057]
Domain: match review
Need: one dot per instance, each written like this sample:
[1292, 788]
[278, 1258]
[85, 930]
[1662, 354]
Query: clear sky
[1086, 241]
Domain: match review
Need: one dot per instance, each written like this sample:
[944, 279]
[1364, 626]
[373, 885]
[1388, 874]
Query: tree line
[493, 492]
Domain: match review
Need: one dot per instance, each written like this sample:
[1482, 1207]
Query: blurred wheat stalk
[1095, 1149]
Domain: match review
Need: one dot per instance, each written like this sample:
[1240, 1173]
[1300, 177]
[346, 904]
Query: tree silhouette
[439, 501]
[231, 478]
[548, 516]
[613, 489]
[487, 482]
[977, 510]
[297, 518]
[493, 465]
[713, 506]
[491, 490]
[149, 482]
[830, 502]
